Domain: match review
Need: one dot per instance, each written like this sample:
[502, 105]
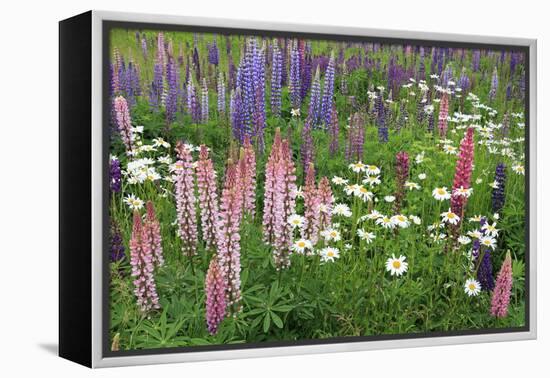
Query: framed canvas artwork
[236, 189]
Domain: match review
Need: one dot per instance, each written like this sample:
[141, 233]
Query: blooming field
[282, 189]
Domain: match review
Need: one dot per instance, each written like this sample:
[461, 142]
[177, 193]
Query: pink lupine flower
[284, 205]
[248, 176]
[326, 202]
[124, 123]
[215, 296]
[229, 248]
[208, 198]
[503, 289]
[443, 113]
[463, 172]
[153, 237]
[185, 201]
[141, 260]
[312, 206]
[269, 193]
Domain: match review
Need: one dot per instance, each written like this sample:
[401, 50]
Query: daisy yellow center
[296, 221]
[487, 242]
[401, 218]
[333, 234]
[330, 253]
[362, 190]
[472, 286]
[396, 264]
[372, 168]
[440, 191]
[301, 244]
[450, 215]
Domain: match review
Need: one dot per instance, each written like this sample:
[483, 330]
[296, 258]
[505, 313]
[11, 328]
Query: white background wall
[28, 185]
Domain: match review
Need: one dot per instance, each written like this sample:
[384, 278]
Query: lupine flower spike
[153, 237]
[185, 200]
[208, 197]
[215, 296]
[503, 289]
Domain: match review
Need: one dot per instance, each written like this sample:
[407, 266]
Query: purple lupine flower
[221, 94]
[306, 69]
[284, 71]
[236, 113]
[344, 80]
[276, 80]
[494, 85]
[157, 87]
[498, 195]
[356, 138]
[485, 269]
[464, 81]
[334, 131]
[115, 175]
[117, 245]
[204, 102]
[381, 120]
[193, 107]
[402, 175]
[294, 84]
[328, 92]
[315, 101]
[476, 57]
[509, 92]
[403, 116]
[196, 63]
[421, 73]
[172, 80]
[259, 97]
[213, 53]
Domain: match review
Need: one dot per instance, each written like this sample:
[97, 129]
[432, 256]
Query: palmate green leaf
[282, 308]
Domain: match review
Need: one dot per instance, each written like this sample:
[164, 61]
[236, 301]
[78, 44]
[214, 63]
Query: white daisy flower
[389, 198]
[519, 169]
[422, 176]
[464, 240]
[419, 159]
[358, 167]
[372, 170]
[494, 184]
[165, 160]
[475, 218]
[329, 254]
[372, 180]
[133, 202]
[300, 246]
[296, 220]
[331, 234]
[339, 180]
[416, 220]
[385, 222]
[374, 214]
[298, 192]
[295, 112]
[366, 236]
[351, 189]
[472, 287]
[363, 193]
[450, 217]
[488, 241]
[401, 220]
[341, 209]
[476, 234]
[411, 185]
[490, 229]
[159, 142]
[450, 150]
[441, 194]
[463, 192]
[397, 266]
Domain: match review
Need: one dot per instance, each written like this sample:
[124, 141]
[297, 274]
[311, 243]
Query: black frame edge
[75, 152]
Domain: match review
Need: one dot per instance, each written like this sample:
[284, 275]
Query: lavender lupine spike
[157, 87]
[334, 132]
[276, 80]
[172, 80]
[208, 197]
[193, 107]
[117, 245]
[221, 94]
[141, 260]
[115, 182]
[381, 120]
[237, 117]
[229, 247]
[503, 289]
[499, 196]
[185, 200]
[494, 85]
[482, 257]
[124, 123]
[314, 111]
[295, 86]
[285, 204]
[328, 92]
[306, 69]
[213, 53]
[356, 138]
[214, 287]
[144, 46]
[204, 102]
[268, 222]
[152, 235]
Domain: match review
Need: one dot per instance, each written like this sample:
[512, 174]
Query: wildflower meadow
[281, 189]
